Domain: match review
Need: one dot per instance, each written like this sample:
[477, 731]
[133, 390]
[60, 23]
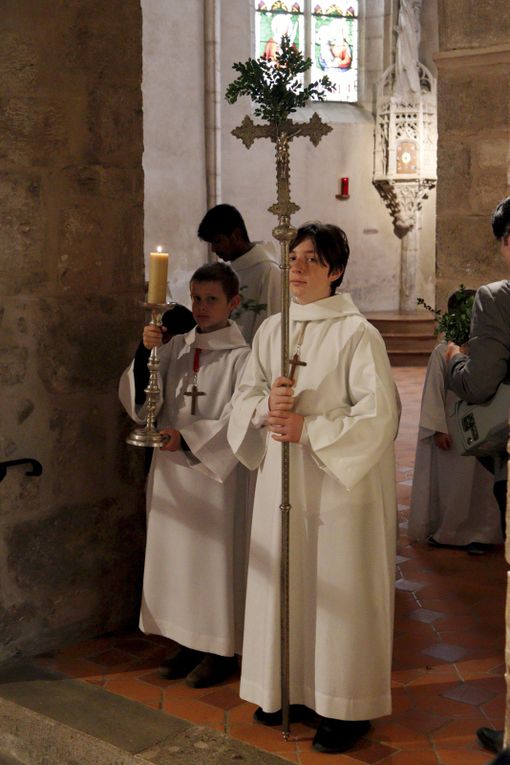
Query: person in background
[475, 377]
[452, 504]
[254, 263]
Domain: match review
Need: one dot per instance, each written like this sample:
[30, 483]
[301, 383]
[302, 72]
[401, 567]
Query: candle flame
[159, 248]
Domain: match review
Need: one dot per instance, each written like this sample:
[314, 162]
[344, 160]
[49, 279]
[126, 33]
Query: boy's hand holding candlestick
[153, 336]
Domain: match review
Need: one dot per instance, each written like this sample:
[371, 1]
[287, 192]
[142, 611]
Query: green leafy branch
[454, 324]
[275, 86]
[247, 304]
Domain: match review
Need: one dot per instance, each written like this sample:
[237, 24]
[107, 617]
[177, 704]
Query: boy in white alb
[339, 414]
[193, 578]
[254, 263]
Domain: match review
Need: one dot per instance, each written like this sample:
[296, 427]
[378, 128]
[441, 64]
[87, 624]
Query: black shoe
[212, 670]
[478, 548]
[432, 542]
[503, 758]
[181, 663]
[297, 713]
[491, 739]
[335, 736]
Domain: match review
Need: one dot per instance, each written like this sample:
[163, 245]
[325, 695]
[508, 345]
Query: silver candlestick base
[149, 435]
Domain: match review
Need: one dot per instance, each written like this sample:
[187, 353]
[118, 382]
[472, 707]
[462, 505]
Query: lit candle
[344, 187]
[158, 274]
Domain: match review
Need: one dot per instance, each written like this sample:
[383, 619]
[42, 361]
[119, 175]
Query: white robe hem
[206, 643]
[327, 706]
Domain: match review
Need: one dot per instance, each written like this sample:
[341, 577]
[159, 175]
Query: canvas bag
[481, 430]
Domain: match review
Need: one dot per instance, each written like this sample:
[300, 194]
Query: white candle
[158, 274]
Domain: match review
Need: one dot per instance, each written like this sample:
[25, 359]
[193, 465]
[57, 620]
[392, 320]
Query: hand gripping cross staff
[268, 84]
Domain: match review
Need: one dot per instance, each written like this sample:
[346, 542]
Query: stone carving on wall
[405, 143]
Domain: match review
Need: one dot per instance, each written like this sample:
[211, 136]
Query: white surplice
[259, 281]
[452, 497]
[343, 517]
[193, 586]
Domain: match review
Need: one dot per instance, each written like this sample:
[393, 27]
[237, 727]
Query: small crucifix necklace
[194, 392]
[295, 361]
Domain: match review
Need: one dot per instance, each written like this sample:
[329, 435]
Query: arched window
[327, 32]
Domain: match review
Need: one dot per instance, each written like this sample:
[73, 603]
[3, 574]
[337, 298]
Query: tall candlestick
[158, 274]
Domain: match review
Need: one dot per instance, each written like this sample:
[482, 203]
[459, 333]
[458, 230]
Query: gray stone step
[29, 738]
[47, 719]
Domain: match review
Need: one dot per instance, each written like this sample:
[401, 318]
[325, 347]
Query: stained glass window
[273, 21]
[326, 32]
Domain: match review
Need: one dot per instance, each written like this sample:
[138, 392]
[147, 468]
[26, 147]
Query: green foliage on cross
[276, 87]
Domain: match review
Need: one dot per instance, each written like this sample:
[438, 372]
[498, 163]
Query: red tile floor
[448, 659]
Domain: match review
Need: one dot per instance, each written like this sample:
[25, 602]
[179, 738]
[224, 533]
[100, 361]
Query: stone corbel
[403, 200]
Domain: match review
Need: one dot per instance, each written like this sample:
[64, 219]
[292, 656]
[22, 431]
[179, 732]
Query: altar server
[194, 569]
[451, 500]
[254, 263]
[338, 410]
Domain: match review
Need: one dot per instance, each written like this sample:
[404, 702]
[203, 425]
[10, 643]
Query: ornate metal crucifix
[295, 361]
[194, 393]
[281, 134]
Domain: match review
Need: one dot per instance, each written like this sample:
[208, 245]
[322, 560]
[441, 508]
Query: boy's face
[309, 279]
[210, 306]
[228, 246]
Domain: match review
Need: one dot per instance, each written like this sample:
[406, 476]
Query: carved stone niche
[405, 147]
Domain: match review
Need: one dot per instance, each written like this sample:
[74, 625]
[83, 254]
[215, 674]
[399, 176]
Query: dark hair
[222, 219]
[331, 245]
[218, 272]
[457, 299]
[501, 219]
[178, 320]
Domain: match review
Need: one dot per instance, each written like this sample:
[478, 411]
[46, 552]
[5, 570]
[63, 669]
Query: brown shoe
[212, 670]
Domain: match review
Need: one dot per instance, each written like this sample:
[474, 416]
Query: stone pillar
[474, 139]
[408, 260]
[212, 98]
[71, 272]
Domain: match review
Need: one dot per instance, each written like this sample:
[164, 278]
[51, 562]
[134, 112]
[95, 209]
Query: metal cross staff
[281, 135]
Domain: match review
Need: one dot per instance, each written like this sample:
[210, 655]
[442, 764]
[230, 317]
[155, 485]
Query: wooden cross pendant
[294, 362]
[194, 393]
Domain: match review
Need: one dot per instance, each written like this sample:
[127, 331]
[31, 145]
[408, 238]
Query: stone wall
[71, 271]
[174, 130]
[474, 139]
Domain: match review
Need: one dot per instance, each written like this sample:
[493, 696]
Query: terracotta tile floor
[448, 662]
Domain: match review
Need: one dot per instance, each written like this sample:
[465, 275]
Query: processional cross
[281, 133]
